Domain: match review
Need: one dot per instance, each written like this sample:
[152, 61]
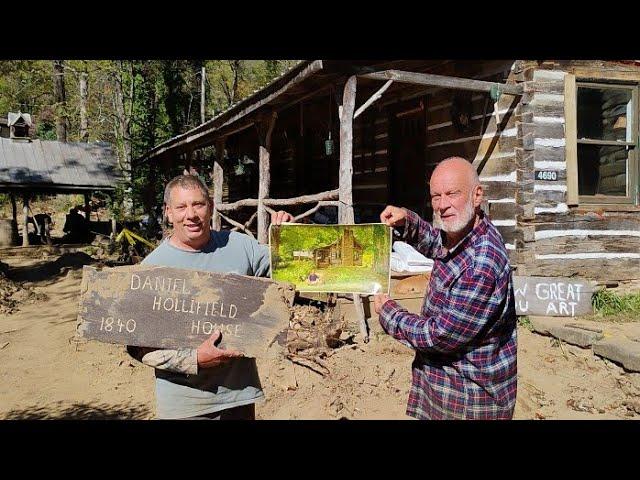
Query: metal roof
[57, 165]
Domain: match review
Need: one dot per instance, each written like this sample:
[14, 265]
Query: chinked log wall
[559, 239]
[491, 142]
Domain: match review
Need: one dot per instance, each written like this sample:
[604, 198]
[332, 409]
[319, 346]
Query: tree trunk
[84, 123]
[123, 134]
[203, 85]
[123, 119]
[61, 101]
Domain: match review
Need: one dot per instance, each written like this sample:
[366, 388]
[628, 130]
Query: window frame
[632, 198]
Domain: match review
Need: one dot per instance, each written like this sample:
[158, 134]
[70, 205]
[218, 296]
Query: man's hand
[280, 217]
[211, 356]
[379, 300]
[393, 216]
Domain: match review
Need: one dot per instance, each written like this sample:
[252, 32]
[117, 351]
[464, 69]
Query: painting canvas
[332, 258]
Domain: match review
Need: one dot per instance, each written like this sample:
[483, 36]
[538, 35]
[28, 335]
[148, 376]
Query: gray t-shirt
[231, 385]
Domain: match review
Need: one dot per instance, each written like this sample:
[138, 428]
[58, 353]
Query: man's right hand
[393, 216]
[211, 356]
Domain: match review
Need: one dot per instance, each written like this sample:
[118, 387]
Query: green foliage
[160, 99]
[525, 321]
[306, 238]
[608, 303]
[294, 272]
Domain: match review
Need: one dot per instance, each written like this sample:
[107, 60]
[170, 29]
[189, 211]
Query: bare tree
[61, 101]
[84, 93]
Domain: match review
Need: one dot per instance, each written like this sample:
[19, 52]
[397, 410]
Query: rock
[620, 350]
[542, 325]
[575, 335]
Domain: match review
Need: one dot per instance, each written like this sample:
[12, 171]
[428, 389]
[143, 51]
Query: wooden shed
[554, 142]
[29, 167]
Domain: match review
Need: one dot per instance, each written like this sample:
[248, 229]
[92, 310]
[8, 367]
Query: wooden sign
[553, 296]
[164, 307]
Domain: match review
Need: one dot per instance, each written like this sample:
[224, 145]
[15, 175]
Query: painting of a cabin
[332, 258]
[346, 252]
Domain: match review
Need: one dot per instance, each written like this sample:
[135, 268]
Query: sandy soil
[46, 373]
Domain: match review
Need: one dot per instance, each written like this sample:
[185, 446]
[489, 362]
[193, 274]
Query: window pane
[602, 170]
[604, 114]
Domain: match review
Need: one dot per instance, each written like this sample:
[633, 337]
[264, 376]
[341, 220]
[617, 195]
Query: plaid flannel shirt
[465, 337]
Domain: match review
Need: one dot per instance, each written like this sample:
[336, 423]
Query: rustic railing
[322, 199]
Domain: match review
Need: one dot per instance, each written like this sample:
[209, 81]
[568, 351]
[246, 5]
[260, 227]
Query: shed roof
[52, 165]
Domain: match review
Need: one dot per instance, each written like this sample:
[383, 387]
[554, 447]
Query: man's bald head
[456, 195]
[458, 166]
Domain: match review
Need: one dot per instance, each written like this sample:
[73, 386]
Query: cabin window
[606, 144]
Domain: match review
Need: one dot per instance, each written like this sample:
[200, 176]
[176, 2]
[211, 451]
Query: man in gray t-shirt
[207, 382]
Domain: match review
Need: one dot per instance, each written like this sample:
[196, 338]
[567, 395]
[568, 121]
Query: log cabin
[555, 143]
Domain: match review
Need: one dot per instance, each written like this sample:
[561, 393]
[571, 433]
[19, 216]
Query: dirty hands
[393, 216]
[379, 300]
[280, 217]
[211, 356]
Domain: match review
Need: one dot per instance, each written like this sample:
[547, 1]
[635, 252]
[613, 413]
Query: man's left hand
[379, 300]
[281, 217]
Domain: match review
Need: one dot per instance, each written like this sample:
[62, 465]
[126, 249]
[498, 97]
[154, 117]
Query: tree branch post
[265, 129]
[218, 179]
[345, 196]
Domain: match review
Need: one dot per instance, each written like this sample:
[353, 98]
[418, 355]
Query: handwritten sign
[553, 296]
[164, 307]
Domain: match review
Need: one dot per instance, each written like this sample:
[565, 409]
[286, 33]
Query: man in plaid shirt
[465, 337]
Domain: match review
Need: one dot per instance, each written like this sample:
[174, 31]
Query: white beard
[464, 219]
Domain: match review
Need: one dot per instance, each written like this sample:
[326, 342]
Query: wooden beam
[571, 135]
[188, 158]
[237, 224]
[373, 98]
[345, 195]
[25, 220]
[279, 202]
[315, 209]
[87, 208]
[218, 180]
[443, 81]
[346, 152]
[14, 208]
[265, 130]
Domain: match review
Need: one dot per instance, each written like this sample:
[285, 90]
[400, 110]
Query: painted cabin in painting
[555, 143]
[345, 252]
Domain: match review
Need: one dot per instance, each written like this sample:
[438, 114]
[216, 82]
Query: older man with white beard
[465, 336]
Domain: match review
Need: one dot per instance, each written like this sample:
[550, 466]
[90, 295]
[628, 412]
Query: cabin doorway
[407, 142]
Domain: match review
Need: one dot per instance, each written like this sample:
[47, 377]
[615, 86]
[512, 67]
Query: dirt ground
[46, 373]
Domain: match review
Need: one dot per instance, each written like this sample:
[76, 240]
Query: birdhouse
[19, 124]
